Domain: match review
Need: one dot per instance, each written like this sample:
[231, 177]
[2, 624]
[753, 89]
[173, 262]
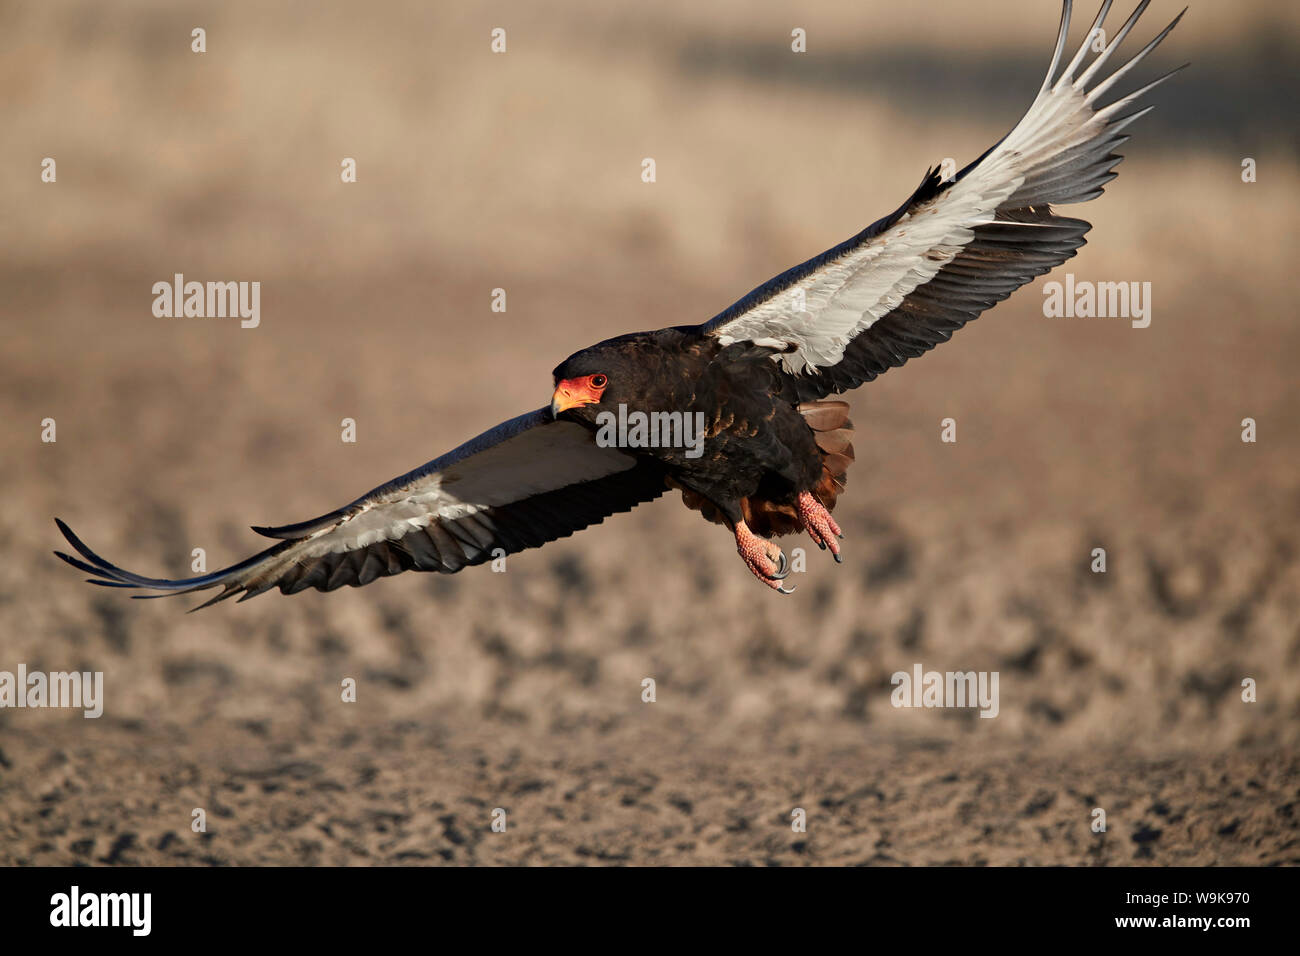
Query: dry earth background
[522, 690]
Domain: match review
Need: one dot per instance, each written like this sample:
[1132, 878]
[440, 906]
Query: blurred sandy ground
[521, 171]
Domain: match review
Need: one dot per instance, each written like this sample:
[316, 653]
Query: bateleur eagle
[772, 450]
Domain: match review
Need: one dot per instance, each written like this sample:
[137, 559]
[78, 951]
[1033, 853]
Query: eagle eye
[599, 381]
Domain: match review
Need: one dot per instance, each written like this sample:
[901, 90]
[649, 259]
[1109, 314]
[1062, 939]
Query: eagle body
[773, 444]
[759, 450]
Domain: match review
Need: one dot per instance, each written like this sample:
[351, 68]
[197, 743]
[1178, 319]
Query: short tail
[833, 433]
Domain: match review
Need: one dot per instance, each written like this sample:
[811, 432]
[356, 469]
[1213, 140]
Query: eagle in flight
[773, 450]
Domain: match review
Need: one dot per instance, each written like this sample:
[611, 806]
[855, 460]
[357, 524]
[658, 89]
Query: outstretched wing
[955, 248]
[526, 482]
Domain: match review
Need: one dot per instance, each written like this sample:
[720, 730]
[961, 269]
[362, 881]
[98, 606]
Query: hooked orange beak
[574, 392]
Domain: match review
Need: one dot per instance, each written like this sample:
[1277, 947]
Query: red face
[573, 392]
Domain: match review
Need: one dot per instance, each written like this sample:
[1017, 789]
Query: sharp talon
[757, 554]
[782, 567]
[819, 524]
[787, 590]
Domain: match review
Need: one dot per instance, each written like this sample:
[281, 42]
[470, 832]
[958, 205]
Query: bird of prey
[756, 444]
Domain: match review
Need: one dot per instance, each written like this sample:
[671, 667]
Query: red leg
[763, 558]
[819, 524]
